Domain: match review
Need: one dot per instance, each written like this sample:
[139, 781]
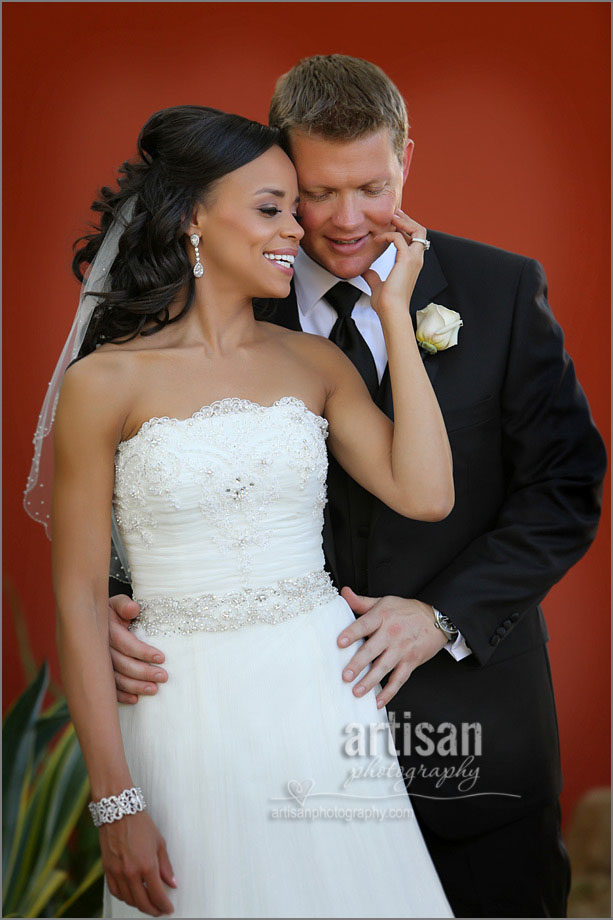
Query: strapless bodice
[227, 500]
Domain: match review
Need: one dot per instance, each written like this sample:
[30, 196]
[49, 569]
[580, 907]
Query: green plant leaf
[33, 908]
[18, 744]
[58, 797]
[51, 852]
[96, 872]
[64, 804]
[47, 726]
[31, 840]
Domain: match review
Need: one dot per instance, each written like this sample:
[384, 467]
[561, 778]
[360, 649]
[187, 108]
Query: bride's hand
[395, 293]
[136, 863]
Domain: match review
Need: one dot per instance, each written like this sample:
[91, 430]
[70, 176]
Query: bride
[239, 789]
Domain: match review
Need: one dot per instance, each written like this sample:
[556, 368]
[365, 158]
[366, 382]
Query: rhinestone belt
[167, 616]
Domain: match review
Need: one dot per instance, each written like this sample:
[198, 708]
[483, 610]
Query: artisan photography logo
[376, 747]
[387, 760]
[424, 739]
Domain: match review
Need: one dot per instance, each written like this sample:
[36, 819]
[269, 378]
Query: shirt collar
[312, 281]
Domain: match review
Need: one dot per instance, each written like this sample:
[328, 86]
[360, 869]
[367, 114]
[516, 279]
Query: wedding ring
[425, 243]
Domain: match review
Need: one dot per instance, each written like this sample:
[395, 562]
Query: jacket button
[494, 640]
[507, 624]
[515, 617]
[501, 631]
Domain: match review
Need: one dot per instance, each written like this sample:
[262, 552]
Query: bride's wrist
[399, 331]
[109, 783]
[112, 808]
[395, 316]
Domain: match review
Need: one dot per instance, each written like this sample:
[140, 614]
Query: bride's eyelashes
[271, 211]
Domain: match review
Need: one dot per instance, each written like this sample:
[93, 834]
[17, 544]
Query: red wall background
[509, 108]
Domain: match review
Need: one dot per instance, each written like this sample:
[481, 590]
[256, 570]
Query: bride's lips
[347, 247]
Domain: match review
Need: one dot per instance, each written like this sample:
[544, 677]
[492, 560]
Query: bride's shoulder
[317, 354]
[320, 351]
[306, 343]
[98, 385]
[102, 366]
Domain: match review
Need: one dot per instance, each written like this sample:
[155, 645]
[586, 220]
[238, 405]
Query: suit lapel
[431, 281]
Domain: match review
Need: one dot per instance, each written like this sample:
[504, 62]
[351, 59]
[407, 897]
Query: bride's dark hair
[182, 152]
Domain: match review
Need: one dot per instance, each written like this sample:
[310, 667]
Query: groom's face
[349, 191]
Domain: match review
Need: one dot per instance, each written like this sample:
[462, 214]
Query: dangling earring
[198, 267]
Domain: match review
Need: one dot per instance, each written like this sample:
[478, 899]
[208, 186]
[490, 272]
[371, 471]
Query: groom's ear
[406, 159]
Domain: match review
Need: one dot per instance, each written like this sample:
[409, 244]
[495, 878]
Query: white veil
[37, 496]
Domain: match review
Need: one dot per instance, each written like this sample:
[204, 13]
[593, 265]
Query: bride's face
[248, 229]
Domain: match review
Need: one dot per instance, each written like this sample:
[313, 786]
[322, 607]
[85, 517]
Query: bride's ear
[198, 220]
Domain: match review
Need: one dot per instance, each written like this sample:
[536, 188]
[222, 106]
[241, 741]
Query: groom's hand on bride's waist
[399, 635]
[136, 665]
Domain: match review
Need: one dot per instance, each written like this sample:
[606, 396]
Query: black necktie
[346, 335]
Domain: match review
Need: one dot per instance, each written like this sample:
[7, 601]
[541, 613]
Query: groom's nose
[347, 214]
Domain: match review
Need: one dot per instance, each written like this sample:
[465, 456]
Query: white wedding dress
[242, 755]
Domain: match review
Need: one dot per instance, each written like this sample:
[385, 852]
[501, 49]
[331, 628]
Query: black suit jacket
[528, 468]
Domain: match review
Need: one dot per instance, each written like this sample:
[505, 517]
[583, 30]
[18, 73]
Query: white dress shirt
[312, 281]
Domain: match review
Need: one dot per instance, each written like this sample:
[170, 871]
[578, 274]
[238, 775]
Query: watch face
[447, 626]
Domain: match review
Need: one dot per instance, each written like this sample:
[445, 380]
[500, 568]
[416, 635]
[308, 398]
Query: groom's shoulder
[457, 252]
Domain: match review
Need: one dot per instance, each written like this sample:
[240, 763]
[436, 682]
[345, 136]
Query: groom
[450, 611]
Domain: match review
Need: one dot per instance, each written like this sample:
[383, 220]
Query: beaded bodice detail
[229, 499]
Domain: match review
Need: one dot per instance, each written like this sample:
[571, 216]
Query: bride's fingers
[411, 254]
[113, 886]
[141, 899]
[372, 279]
[166, 873]
[409, 228]
[125, 894]
[406, 223]
[156, 893]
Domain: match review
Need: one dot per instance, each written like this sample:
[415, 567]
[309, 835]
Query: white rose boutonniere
[437, 328]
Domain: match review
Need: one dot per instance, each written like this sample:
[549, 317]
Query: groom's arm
[555, 462]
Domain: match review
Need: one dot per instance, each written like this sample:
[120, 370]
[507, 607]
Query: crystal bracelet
[115, 807]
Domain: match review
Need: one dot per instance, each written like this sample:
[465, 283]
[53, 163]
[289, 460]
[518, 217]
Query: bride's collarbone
[171, 383]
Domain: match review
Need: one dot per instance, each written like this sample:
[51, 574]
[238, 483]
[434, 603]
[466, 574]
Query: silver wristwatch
[445, 625]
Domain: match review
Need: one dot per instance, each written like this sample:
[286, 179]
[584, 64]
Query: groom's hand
[136, 665]
[400, 635]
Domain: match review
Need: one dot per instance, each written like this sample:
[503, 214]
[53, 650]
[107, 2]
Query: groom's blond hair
[341, 98]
